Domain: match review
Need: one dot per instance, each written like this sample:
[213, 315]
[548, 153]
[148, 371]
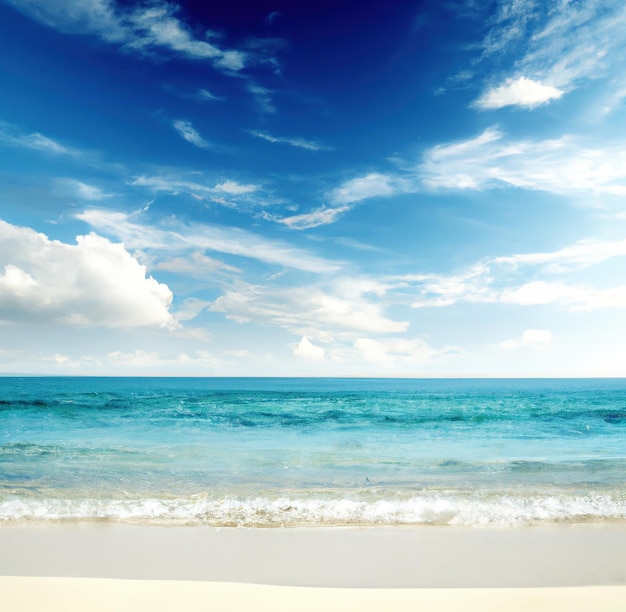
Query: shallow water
[254, 451]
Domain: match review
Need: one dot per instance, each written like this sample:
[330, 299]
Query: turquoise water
[312, 451]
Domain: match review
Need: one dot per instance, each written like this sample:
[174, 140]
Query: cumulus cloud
[300, 143]
[154, 27]
[307, 350]
[190, 134]
[94, 282]
[518, 92]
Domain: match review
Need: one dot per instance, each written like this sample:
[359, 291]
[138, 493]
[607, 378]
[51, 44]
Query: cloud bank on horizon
[313, 188]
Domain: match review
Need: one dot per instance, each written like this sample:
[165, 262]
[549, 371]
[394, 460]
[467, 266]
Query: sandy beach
[135, 567]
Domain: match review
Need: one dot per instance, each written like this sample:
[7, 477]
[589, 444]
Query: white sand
[20, 594]
[121, 567]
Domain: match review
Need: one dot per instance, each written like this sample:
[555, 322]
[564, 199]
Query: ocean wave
[454, 510]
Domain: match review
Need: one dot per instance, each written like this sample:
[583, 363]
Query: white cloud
[84, 191]
[170, 184]
[13, 137]
[573, 297]
[518, 92]
[497, 280]
[532, 338]
[537, 337]
[310, 311]
[307, 350]
[153, 27]
[232, 60]
[151, 359]
[189, 238]
[578, 42]
[234, 188]
[472, 285]
[369, 186]
[399, 352]
[263, 97]
[196, 265]
[582, 254]
[94, 282]
[229, 193]
[322, 216]
[137, 358]
[190, 309]
[205, 94]
[297, 142]
[190, 134]
[562, 43]
[509, 24]
[559, 166]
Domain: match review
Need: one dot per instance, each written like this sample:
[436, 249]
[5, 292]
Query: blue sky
[313, 188]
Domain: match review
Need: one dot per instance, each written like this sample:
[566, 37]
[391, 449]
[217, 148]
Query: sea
[280, 452]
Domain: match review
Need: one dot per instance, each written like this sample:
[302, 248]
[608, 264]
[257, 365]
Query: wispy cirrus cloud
[505, 280]
[262, 96]
[563, 165]
[300, 143]
[205, 94]
[189, 238]
[82, 190]
[582, 254]
[322, 216]
[347, 195]
[312, 311]
[226, 192]
[12, 136]
[559, 47]
[190, 134]
[149, 28]
[372, 185]
[235, 188]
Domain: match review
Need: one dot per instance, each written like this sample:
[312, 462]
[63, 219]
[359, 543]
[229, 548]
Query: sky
[313, 188]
